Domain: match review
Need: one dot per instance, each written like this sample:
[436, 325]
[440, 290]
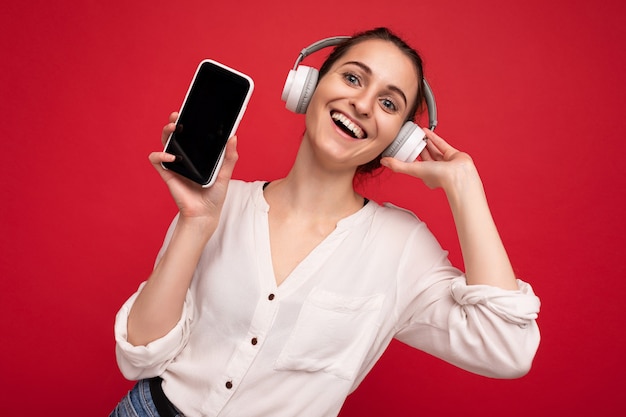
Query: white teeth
[358, 132]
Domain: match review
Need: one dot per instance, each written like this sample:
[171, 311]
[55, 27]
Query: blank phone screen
[206, 121]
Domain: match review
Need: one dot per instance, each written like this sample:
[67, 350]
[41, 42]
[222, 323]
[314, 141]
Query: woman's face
[362, 102]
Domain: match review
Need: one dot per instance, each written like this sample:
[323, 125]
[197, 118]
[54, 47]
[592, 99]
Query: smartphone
[211, 111]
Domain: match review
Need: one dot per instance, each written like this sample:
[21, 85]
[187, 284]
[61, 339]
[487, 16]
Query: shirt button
[229, 384]
[270, 297]
[254, 341]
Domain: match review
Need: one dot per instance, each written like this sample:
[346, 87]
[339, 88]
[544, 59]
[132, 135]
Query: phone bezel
[217, 163]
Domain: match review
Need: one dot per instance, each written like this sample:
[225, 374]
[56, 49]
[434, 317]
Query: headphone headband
[316, 46]
[431, 104]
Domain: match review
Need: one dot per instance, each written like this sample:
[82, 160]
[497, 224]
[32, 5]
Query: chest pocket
[332, 334]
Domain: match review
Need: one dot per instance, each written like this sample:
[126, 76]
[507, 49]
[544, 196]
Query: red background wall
[533, 90]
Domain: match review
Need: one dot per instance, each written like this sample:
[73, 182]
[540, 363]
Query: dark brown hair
[380, 33]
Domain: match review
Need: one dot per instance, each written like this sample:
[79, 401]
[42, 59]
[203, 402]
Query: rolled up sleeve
[494, 330]
[483, 329]
[137, 362]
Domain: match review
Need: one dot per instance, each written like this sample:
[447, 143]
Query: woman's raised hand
[192, 200]
[441, 165]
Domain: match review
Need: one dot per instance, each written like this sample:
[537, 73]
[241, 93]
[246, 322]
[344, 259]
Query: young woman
[277, 298]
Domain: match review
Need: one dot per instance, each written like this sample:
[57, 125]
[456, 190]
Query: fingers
[167, 131]
[157, 158]
[437, 148]
[169, 128]
[230, 159]
[440, 163]
[397, 165]
[431, 152]
[435, 139]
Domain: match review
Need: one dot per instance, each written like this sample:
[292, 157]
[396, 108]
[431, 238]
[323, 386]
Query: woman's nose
[363, 102]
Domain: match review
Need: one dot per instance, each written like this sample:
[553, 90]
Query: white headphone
[301, 83]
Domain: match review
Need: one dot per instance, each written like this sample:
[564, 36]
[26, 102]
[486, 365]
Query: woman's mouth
[348, 126]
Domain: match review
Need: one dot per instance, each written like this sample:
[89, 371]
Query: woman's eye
[389, 104]
[351, 78]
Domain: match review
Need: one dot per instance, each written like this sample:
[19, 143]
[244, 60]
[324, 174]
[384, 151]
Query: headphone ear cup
[408, 144]
[299, 88]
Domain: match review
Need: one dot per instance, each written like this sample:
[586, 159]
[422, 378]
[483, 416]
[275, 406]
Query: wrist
[462, 182]
[199, 227]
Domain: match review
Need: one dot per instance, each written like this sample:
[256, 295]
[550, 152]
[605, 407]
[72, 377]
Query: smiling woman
[374, 86]
[290, 322]
[410, 53]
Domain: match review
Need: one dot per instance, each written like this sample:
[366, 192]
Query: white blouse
[246, 347]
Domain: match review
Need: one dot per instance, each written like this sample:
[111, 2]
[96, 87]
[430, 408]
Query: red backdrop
[533, 90]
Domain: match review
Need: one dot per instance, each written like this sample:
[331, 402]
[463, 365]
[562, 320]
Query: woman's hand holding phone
[193, 200]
